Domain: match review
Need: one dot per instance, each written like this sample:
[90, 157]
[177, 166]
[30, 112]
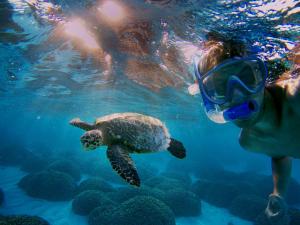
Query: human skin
[276, 129]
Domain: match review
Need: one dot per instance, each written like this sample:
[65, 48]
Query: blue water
[49, 76]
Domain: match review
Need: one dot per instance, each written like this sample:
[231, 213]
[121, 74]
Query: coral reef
[22, 220]
[139, 210]
[101, 215]
[126, 193]
[183, 203]
[95, 184]
[171, 191]
[49, 185]
[133, 211]
[244, 194]
[87, 201]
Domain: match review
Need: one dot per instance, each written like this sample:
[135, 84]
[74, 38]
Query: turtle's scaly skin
[139, 132]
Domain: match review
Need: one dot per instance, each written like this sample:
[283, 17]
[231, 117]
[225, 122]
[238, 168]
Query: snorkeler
[233, 89]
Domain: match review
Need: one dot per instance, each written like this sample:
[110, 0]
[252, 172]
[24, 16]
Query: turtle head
[92, 139]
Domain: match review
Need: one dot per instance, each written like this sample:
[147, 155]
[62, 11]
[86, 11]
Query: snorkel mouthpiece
[242, 111]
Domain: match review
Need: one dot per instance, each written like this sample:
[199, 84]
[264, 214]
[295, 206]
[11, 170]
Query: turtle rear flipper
[122, 163]
[177, 149]
[76, 122]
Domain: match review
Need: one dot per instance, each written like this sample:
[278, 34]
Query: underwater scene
[112, 112]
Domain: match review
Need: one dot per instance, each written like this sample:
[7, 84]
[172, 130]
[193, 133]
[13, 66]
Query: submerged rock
[95, 184]
[248, 206]
[66, 166]
[1, 197]
[49, 185]
[22, 220]
[87, 201]
[142, 210]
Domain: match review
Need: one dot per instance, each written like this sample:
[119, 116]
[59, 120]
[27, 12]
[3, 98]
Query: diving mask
[225, 88]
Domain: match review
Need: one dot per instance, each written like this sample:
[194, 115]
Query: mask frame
[234, 80]
[241, 111]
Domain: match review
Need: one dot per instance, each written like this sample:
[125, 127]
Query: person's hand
[277, 210]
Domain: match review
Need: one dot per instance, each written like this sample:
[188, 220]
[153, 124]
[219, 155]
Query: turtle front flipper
[76, 122]
[122, 163]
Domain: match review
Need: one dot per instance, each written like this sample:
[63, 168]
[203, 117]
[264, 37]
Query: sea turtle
[126, 133]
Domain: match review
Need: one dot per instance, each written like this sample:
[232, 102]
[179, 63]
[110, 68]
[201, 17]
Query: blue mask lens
[248, 74]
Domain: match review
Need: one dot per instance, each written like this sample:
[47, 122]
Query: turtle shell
[139, 132]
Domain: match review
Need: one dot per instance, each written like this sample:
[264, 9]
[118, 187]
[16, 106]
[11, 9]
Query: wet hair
[277, 69]
[218, 48]
[285, 68]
